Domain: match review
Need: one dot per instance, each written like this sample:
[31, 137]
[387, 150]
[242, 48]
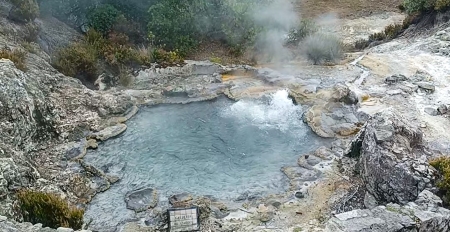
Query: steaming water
[218, 148]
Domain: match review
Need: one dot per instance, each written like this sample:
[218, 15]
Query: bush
[442, 5]
[77, 59]
[442, 164]
[16, 56]
[304, 29]
[321, 47]
[103, 18]
[49, 209]
[412, 6]
[31, 32]
[24, 10]
[167, 58]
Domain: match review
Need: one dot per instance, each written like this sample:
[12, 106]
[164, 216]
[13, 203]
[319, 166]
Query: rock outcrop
[43, 113]
[423, 215]
[393, 160]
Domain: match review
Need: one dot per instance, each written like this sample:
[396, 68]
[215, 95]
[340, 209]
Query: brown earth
[346, 8]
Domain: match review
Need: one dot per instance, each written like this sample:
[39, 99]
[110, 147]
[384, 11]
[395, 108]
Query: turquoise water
[220, 148]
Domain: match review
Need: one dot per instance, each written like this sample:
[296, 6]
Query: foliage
[103, 18]
[442, 5]
[77, 59]
[216, 60]
[167, 58]
[28, 47]
[390, 32]
[412, 6]
[322, 47]
[442, 164]
[72, 12]
[304, 29]
[16, 56]
[31, 32]
[24, 10]
[49, 209]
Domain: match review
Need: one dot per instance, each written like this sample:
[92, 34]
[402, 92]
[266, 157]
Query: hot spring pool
[220, 148]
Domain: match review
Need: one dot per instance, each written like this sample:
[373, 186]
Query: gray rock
[395, 78]
[180, 199]
[299, 195]
[110, 132]
[333, 120]
[299, 173]
[416, 216]
[426, 86]
[218, 213]
[369, 201]
[387, 161]
[442, 109]
[62, 229]
[431, 111]
[342, 93]
[141, 200]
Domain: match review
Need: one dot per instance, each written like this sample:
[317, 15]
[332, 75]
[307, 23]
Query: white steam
[279, 113]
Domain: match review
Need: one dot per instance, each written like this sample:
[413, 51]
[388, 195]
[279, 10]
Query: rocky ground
[386, 107]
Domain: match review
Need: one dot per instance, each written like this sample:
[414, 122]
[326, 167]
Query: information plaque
[183, 220]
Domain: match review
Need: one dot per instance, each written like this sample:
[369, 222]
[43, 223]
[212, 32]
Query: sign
[183, 220]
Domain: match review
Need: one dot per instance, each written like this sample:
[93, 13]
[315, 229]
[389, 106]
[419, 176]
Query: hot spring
[220, 148]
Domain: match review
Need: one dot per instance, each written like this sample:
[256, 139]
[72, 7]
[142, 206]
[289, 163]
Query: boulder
[342, 93]
[431, 111]
[110, 132]
[333, 120]
[141, 200]
[391, 152]
[423, 215]
[427, 86]
[442, 109]
[180, 199]
[395, 79]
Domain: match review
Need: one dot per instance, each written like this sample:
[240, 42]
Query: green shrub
[77, 59]
[31, 32]
[322, 47]
[49, 209]
[167, 58]
[16, 56]
[442, 5]
[412, 6]
[24, 10]
[442, 164]
[304, 29]
[103, 18]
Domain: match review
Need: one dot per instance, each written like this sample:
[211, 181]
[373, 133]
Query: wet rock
[110, 132]
[265, 214]
[217, 213]
[141, 200]
[299, 195]
[431, 111]
[242, 197]
[333, 120]
[426, 86]
[299, 173]
[180, 199]
[308, 161]
[395, 79]
[388, 148]
[442, 109]
[92, 143]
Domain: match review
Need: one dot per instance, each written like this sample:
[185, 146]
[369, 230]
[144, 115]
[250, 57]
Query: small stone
[62, 229]
[299, 195]
[431, 111]
[442, 109]
[426, 86]
[423, 125]
[3, 218]
[92, 143]
[141, 200]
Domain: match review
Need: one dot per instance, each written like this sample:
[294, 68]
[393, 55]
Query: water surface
[220, 148]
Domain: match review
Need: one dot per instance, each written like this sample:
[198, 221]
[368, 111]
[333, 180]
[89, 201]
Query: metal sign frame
[174, 212]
